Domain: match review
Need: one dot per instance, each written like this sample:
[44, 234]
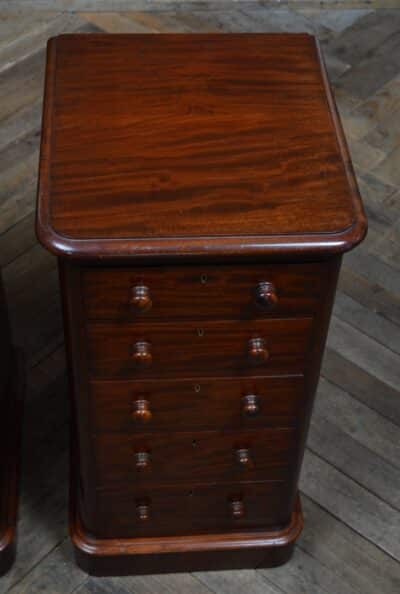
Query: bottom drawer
[201, 509]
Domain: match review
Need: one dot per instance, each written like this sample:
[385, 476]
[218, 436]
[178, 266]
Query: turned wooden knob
[142, 460]
[266, 296]
[237, 508]
[243, 456]
[250, 405]
[143, 510]
[140, 298]
[141, 410]
[258, 353]
[141, 354]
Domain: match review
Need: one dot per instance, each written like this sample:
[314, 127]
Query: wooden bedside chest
[11, 393]
[198, 192]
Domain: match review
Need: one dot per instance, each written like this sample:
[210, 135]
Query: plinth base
[112, 557]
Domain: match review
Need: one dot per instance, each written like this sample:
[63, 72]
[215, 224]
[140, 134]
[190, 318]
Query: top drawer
[237, 291]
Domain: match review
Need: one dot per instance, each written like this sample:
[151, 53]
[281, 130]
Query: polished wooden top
[199, 144]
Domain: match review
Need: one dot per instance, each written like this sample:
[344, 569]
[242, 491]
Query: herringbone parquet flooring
[351, 478]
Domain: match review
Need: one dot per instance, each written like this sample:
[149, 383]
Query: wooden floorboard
[334, 549]
[352, 503]
[351, 473]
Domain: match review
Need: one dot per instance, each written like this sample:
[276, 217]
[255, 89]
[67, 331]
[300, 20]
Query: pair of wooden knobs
[141, 410]
[236, 507]
[141, 301]
[243, 457]
[142, 357]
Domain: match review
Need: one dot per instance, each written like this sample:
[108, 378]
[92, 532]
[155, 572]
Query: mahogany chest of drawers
[198, 193]
[11, 392]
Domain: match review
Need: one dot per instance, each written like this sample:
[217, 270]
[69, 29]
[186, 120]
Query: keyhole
[200, 332]
[194, 443]
[197, 388]
[203, 279]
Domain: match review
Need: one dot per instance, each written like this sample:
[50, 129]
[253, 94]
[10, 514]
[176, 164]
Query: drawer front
[180, 510]
[205, 348]
[202, 291]
[203, 457]
[137, 406]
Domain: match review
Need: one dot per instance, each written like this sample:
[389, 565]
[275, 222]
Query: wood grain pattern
[215, 171]
[195, 404]
[208, 291]
[186, 171]
[336, 544]
[191, 510]
[117, 447]
[206, 348]
[264, 548]
[192, 458]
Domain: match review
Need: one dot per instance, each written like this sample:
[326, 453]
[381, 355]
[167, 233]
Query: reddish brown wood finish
[205, 457]
[203, 348]
[158, 145]
[93, 507]
[200, 403]
[11, 394]
[191, 509]
[199, 193]
[229, 550]
[208, 291]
